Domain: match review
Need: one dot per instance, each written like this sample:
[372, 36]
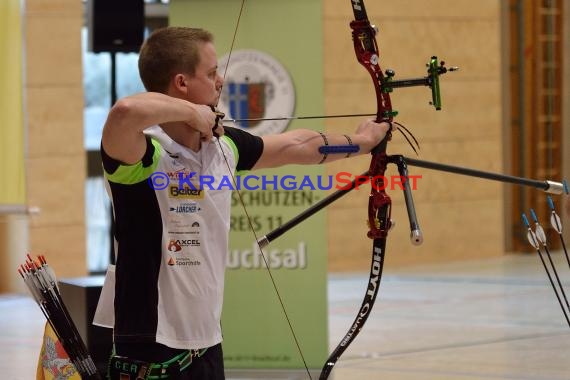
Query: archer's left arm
[301, 146]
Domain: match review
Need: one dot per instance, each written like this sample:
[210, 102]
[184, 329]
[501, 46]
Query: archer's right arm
[123, 137]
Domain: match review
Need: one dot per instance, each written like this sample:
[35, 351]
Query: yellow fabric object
[53, 363]
[12, 190]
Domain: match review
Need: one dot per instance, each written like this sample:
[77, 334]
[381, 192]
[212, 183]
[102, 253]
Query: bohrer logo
[174, 246]
[185, 192]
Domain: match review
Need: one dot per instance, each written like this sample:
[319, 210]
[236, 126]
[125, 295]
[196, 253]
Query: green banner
[256, 330]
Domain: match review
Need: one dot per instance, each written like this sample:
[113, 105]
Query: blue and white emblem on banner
[247, 102]
[256, 86]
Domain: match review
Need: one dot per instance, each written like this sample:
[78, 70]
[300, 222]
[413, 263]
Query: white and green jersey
[172, 238]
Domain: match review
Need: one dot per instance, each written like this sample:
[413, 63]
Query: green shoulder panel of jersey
[135, 173]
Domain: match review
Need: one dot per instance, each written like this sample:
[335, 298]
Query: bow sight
[435, 69]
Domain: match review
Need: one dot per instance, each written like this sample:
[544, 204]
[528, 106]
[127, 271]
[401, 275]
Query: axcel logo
[176, 245]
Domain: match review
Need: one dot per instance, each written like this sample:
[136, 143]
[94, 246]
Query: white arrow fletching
[556, 223]
[540, 235]
[532, 239]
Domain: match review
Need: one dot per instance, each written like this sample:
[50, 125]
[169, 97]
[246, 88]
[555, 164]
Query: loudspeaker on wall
[115, 26]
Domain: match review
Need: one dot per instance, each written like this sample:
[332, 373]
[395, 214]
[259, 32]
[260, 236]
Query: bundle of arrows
[537, 238]
[41, 281]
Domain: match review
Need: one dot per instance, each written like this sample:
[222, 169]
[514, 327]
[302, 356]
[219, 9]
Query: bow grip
[382, 146]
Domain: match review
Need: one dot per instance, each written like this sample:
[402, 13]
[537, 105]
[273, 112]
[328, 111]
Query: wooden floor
[488, 319]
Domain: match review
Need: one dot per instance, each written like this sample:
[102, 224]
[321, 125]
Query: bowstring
[248, 217]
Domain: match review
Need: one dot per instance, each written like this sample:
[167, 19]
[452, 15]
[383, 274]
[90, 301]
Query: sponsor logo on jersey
[176, 245]
[185, 208]
[182, 261]
[185, 192]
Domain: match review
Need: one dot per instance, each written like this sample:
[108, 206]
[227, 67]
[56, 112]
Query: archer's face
[205, 86]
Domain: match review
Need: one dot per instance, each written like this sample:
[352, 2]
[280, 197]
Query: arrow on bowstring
[408, 135]
[534, 241]
[280, 118]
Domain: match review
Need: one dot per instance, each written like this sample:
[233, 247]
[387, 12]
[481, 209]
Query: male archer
[166, 318]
